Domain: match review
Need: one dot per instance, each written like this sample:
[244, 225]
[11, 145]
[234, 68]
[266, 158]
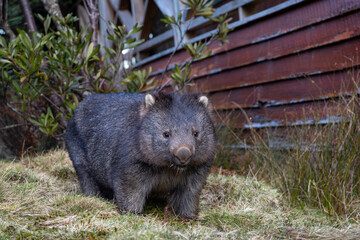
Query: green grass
[322, 169]
[40, 199]
[313, 164]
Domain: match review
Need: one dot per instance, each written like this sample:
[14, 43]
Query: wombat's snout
[183, 154]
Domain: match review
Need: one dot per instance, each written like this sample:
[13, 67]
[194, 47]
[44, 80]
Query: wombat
[129, 147]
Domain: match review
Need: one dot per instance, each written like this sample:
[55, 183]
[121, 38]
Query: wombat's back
[99, 123]
[102, 115]
[98, 107]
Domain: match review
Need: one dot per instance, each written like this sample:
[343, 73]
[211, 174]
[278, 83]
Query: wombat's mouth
[178, 166]
[182, 166]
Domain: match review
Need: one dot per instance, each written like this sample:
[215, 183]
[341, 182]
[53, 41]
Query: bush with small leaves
[45, 75]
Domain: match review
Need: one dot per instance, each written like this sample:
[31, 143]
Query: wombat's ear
[204, 100]
[149, 100]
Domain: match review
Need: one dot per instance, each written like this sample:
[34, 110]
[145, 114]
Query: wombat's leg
[78, 157]
[87, 183]
[184, 200]
[131, 196]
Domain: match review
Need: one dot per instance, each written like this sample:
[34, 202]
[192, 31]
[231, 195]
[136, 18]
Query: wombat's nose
[183, 154]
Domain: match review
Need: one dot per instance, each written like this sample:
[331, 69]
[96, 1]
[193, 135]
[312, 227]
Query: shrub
[44, 75]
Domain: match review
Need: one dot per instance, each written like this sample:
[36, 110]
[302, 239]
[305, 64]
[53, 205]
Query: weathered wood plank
[290, 91]
[164, 7]
[329, 32]
[232, 5]
[303, 15]
[156, 41]
[320, 112]
[285, 69]
[337, 29]
[234, 25]
[324, 59]
[307, 13]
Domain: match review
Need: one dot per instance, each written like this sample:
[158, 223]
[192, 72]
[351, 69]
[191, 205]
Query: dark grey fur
[119, 148]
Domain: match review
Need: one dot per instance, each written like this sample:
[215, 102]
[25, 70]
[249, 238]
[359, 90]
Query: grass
[315, 165]
[322, 168]
[40, 199]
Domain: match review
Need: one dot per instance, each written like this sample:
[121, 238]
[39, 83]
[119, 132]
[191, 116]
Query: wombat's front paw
[124, 211]
[130, 209]
[186, 216]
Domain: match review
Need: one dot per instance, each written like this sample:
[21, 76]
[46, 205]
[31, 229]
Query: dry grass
[322, 169]
[40, 199]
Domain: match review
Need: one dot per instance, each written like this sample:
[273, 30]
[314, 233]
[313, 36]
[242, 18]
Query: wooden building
[286, 60]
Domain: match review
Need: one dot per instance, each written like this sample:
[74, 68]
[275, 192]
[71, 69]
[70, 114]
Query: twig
[4, 19]
[28, 14]
[160, 85]
[46, 98]
[120, 57]
[183, 64]
[53, 8]
[92, 10]
[107, 24]
[13, 126]
[19, 113]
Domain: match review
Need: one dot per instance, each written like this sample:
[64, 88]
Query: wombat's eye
[166, 134]
[196, 133]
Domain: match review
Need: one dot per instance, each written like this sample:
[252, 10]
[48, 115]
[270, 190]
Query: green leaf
[131, 40]
[39, 16]
[47, 23]
[35, 122]
[3, 42]
[135, 29]
[169, 20]
[190, 49]
[25, 39]
[89, 35]
[5, 61]
[134, 44]
[89, 50]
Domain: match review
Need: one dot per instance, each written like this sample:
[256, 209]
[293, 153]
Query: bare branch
[53, 8]
[160, 85]
[13, 126]
[29, 16]
[4, 19]
[91, 7]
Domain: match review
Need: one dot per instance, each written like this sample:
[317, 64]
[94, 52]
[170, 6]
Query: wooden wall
[282, 66]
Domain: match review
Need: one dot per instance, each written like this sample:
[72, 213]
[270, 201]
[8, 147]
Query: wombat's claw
[121, 211]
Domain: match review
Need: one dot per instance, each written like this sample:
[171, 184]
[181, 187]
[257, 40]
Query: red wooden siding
[280, 69]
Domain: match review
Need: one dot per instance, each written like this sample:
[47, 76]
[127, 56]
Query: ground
[40, 199]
